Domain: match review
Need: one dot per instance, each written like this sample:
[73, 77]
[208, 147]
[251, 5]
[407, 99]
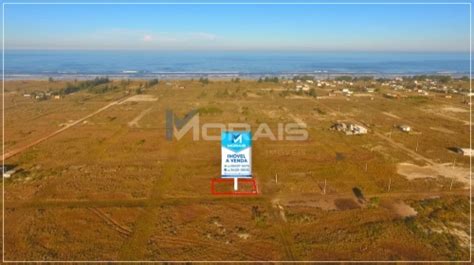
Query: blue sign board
[236, 149]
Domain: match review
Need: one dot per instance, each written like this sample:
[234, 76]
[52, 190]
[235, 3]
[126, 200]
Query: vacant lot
[112, 187]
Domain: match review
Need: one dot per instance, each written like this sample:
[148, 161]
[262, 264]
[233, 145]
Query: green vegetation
[418, 99]
[209, 110]
[364, 78]
[88, 84]
[268, 79]
[303, 77]
[204, 81]
[439, 224]
[152, 82]
[102, 89]
[346, 78]
[374, 202]
[444, 79]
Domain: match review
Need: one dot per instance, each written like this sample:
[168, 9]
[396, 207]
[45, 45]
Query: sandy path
[411, 171]
[23, 148]
[410, 152]
[391, 115]
[134, 122]
[445, 116]
[442, 130]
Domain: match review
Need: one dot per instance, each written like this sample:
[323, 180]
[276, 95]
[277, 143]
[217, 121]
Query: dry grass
[153, 195]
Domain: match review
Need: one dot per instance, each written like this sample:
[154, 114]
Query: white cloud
[120, 38]
[147, 38]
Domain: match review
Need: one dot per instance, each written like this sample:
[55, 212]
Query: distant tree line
[440, 78]
[90, 85]
[203, 80]
[268, 79]
[152, 82]
[349, 78]
[303, 77]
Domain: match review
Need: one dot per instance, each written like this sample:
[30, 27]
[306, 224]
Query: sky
[239, 27]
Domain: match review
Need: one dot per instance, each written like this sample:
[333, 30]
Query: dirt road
[14, 152]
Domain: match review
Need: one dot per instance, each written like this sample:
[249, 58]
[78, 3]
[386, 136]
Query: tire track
[283, 229]
[114, 224]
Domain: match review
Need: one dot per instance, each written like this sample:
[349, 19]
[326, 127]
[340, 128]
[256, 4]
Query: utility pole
[365, 166]
[451, 185]
[276, 178]
[389, 184]
[324, 189]
[416, 149]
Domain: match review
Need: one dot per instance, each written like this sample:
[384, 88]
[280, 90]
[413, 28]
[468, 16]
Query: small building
[462, 151]
[349, 128]
[404, 128]
[347, 91]
[8, 171]
[467, 151]
[370, 89]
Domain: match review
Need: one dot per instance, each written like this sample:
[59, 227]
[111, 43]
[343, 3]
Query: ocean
[148, 64]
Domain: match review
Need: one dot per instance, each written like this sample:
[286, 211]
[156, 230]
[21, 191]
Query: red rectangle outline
[245, 193]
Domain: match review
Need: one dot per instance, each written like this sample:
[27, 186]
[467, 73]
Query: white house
[467, 151]
[370, 89]
[306, 88]
[346, 91]
[349, 128]
[462, 151]
[404, 128]
[7, 173]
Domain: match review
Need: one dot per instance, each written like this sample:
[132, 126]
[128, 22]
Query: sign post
[236, 161]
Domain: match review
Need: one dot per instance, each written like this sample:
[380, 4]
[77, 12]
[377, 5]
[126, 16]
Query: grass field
[112, 187]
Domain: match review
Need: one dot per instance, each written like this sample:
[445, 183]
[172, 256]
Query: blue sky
[239, 27]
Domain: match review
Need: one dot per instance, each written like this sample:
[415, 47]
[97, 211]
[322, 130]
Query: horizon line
[236, 50]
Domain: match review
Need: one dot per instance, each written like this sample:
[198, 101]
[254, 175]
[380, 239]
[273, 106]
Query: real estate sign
[236, 154]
